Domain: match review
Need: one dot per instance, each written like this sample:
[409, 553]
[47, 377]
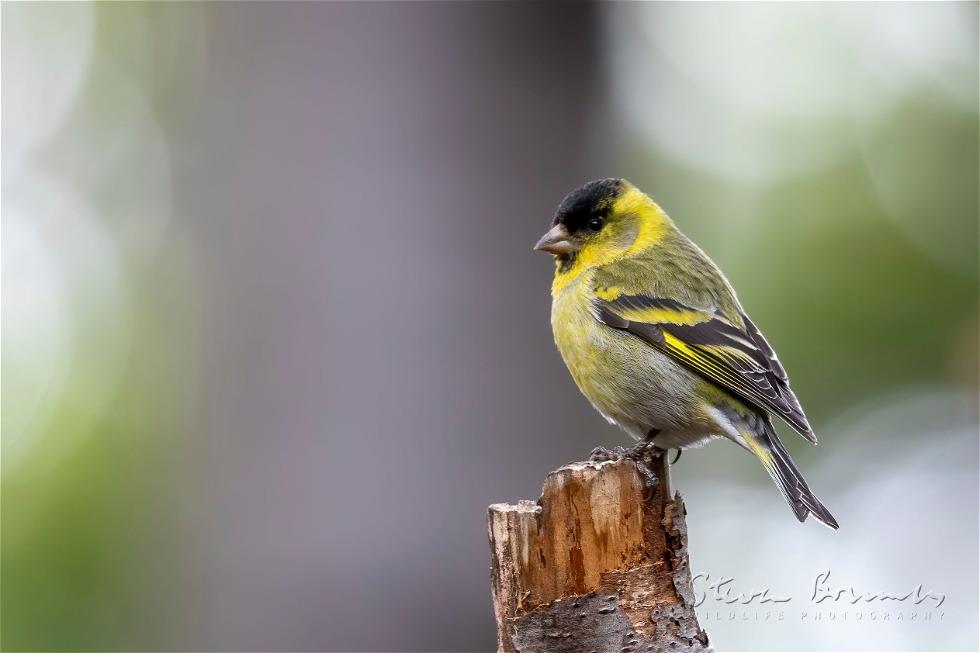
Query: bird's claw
[602, 454]
[637, 454]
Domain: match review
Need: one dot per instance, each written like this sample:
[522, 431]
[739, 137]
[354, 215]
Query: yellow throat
[653, 224]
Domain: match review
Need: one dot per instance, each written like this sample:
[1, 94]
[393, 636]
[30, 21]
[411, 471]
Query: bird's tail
[767, 447]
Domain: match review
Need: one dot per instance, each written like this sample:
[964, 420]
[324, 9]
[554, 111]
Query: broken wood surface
[599, 563]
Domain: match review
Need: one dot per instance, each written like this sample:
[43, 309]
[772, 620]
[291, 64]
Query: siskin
[655, 338]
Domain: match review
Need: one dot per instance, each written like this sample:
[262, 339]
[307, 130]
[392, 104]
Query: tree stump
[599, 563]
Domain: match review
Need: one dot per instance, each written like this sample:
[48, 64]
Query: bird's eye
[595, 224]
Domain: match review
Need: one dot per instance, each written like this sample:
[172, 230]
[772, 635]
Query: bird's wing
[736, 358]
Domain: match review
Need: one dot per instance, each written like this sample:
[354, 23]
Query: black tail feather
[789, 479]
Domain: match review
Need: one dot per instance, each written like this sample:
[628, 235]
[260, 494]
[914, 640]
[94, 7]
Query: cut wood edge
[600, 563]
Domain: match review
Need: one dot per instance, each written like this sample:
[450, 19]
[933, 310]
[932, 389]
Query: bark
[599, 563]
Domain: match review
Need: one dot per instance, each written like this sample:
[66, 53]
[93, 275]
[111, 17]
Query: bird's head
[602, 221]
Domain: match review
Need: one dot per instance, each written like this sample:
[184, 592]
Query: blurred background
[274, 336]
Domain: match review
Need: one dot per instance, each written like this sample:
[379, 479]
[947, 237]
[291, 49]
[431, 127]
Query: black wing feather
[735, 358]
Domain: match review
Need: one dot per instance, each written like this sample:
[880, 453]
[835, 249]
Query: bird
[654, 336]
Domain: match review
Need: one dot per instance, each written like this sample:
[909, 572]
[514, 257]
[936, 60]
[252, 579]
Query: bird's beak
[556, 241]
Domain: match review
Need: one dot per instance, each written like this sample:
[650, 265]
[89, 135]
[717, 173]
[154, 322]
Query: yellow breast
[589, 350]
[573, 325]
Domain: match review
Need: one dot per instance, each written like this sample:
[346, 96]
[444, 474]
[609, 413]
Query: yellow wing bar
[736, 359]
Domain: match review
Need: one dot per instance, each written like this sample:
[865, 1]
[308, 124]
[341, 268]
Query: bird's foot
[602, 454]
[636, 452]
[677, 457]
[641, 454]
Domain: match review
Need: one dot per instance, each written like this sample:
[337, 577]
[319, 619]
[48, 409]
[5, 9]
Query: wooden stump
[599, 563]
